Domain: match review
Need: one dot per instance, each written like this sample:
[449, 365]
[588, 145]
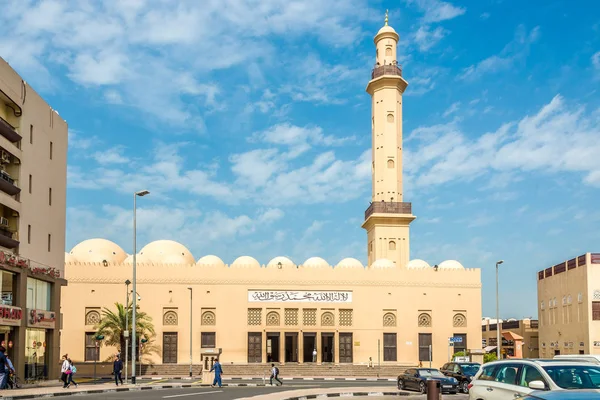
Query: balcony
[8, 131]
[7, 238]
[386, 70]
[7, 184]
[391, 207]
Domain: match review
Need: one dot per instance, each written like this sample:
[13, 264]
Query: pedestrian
[370, 362]
[218, 372]
[73, 370]
[274, 375]
[315, 355]
[64, 371]
[10, 373]
[117, 369]
[4, 368]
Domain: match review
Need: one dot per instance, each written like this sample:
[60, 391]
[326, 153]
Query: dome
[450, 264]
[285, 262]
[383, 263]
[211, 261]
[387, 29]
[129, 259]
[349, 263]
[245, 262]
[417, 264]
[315, 262]
[165, 252]
[98, 250]
[69, 258]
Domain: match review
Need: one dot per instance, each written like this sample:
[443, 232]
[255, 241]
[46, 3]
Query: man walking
[218, 372]
[315, 355]
[4, 368]
[117, 369]
[274, 375]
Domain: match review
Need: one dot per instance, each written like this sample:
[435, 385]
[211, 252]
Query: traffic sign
[456, 339]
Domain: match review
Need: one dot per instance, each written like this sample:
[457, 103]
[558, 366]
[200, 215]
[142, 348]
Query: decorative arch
[209, 318]
[327, 319]
[388, 51]
[459, 320]
[392, 245]
[170, 318]
[390, 117]
[92, 317]
[390, 163]
[273, 319]
[389, 319]
[424, 320]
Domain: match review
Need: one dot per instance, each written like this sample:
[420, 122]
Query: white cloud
[436, 10]
[113, 155]
[484, 15]
[596, 61]
[427, 38]
[454, 107]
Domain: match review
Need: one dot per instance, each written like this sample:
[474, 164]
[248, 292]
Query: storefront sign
[299, 296]
[41, 319]
[10, 315]
[7, 258]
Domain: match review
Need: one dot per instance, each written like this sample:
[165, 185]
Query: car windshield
[470, 369]
[575, 377]
[430, 372]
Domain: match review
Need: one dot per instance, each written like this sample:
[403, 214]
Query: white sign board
[287, 296]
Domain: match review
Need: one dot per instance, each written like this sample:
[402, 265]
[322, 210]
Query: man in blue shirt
[218, 372]
[4, 369]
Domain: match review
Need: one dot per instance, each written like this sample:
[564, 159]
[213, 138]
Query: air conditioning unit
[4, 157]
[16, 161]
[3, 221]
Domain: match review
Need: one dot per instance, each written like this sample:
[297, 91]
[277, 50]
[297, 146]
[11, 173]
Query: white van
[591, 358]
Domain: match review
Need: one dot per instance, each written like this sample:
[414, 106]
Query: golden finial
[386, 17]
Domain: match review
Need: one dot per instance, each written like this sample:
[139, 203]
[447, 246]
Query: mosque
[393, 311]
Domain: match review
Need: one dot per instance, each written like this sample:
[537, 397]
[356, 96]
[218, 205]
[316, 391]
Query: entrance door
[425, 349]
[169, 347]
[291, 347]
[327, 347]
[309, 341]
[273, 347]
[254, 347]
[346, 348]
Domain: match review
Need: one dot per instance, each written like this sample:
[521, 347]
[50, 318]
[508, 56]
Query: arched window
[170, 318]
[390, 117]
[209, 318]
[392, 245]
[390, 163]
[388, 51]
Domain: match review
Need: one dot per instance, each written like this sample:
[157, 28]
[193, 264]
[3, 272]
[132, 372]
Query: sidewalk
[299, 394]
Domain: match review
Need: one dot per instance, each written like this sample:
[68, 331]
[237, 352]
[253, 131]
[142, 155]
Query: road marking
[191, 394]
[197, 382]
[155, 381]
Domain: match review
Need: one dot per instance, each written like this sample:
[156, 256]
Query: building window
[209, 340]
[51, 150]
[596, 310]
[389, 319]
[28, 234]
[392, 245]
[460, 346]
[49, 196]
[425, 348]
[208, 318]
[273, 318]
[390, 118]
[424, 320]
[92, 317]
[90, 347]
[170, 318]
[345, 317]
[38, 294]
[390, 163]
[31, 134]
[389, 347]
[388, 52]
[6, 282]
[49, 243]
[30, 182]
[291, 316]
[254, 316]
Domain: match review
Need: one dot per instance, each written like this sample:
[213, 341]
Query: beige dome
[315, 262]
[349, 263]
[211, 261]
[387, 29]
[245, 262]
[69, 258]
[417, 264]
[165, 252]
[285, 262]
[129, 259]
[450, 264]
[97, 251]
[383, 263]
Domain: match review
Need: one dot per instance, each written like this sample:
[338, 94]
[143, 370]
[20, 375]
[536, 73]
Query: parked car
[508, 379]
[416, 379]
[463, 372]
[562, 395]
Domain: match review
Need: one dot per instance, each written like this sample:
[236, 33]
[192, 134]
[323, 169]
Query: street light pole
[191, 337]
[127, 283]
[133, 322]
[498, 342]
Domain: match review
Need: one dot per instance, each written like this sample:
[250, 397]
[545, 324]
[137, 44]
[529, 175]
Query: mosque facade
[393, 311]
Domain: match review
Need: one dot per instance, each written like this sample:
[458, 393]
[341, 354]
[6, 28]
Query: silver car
[509, 379]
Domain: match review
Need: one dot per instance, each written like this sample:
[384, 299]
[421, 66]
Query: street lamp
[133, 323]
[191, 314]
[498, 342]
[126, 334]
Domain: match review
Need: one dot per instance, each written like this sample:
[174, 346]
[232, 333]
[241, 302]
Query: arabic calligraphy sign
[287, 296]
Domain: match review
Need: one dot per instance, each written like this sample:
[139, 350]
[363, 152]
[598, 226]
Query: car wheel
[464, 387]
[400, 384]
[422, 388]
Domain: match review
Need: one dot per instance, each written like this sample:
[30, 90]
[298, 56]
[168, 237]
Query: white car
[509, 379]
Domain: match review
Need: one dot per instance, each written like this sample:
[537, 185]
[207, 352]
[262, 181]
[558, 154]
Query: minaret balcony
[382, 70]
[388, 207]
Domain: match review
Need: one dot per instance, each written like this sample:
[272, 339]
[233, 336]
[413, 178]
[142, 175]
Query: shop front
[41, 324]
[10, 319]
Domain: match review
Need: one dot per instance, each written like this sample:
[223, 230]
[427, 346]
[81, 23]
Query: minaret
[388, 217]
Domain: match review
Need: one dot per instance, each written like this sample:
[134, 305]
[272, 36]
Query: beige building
[569, 307]
[33, 174]
[519, 338]
[391, 311]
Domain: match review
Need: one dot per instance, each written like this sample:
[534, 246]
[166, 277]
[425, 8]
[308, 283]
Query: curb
[348, 394]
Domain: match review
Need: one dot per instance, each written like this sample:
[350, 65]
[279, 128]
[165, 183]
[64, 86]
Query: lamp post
[498, 342]
[191, 314]
[133, 323]
[126, 334]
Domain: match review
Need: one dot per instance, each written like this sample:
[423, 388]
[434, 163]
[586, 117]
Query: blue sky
[249, 122]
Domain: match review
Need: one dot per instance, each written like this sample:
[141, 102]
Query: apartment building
[33, 178]
[569, 306]
[519, 337]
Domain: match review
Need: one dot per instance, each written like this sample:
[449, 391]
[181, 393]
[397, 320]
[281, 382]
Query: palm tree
[112, 326]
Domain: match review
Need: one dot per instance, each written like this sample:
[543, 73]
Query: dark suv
[462, 371]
